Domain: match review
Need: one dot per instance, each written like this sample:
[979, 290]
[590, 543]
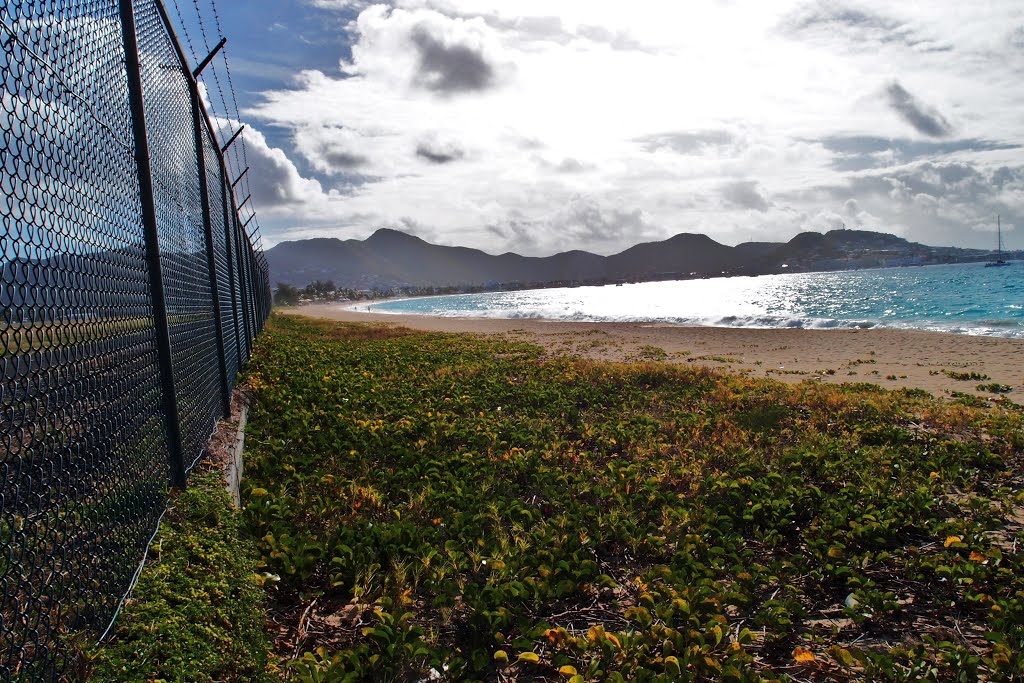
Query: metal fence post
[161, 324]
[244, 274]
[236, 251]
[255, 292]
[246, 285]
[204, 194]
[229, 255]
[252, 288]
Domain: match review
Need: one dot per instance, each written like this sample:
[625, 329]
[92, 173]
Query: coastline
[892, 359]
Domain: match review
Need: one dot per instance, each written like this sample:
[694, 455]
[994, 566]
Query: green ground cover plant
[650, 353]
[964, 376]
[196, 614]
[441, 507]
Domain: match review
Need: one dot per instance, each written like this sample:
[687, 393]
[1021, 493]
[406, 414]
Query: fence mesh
[85, 452]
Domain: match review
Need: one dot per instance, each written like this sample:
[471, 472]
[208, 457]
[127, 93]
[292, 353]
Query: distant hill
[391, 259]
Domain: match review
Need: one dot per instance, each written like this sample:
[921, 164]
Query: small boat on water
[999, 262]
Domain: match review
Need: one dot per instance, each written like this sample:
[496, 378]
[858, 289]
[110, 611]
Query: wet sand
[889, 358]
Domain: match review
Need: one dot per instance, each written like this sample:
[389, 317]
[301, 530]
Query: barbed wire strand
[232, 110]
[213, 67]
[238, 115]
[226, 112]
[195, 60]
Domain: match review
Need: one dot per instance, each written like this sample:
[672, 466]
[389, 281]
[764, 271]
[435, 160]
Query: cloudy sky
[544, 125]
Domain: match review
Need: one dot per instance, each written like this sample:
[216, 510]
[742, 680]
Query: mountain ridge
[393, 259]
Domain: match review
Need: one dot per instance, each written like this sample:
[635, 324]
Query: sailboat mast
[999, 245]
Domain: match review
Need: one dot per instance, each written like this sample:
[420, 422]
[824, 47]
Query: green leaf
[842, 656]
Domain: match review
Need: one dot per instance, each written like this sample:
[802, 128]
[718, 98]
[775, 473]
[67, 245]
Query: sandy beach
[889, 358]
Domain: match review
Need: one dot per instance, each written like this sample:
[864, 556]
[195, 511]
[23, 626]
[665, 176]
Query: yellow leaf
[950, 540]
[555, 636]
[567, 670]
[529, 657]
[977, 557]
[501, 656]
[614, 640]
[803, 655]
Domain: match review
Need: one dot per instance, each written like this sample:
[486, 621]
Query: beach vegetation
[446, 507]
[966, 399]
[650, 353]
[783, 371]
[716, 359]
[197, 612]
[964, 376]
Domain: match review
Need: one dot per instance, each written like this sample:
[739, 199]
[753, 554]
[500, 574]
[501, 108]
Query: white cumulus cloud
[543, 125]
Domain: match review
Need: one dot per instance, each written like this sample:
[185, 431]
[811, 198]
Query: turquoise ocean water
[964, 299]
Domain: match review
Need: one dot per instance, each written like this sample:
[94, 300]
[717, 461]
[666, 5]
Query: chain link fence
[130, 295]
